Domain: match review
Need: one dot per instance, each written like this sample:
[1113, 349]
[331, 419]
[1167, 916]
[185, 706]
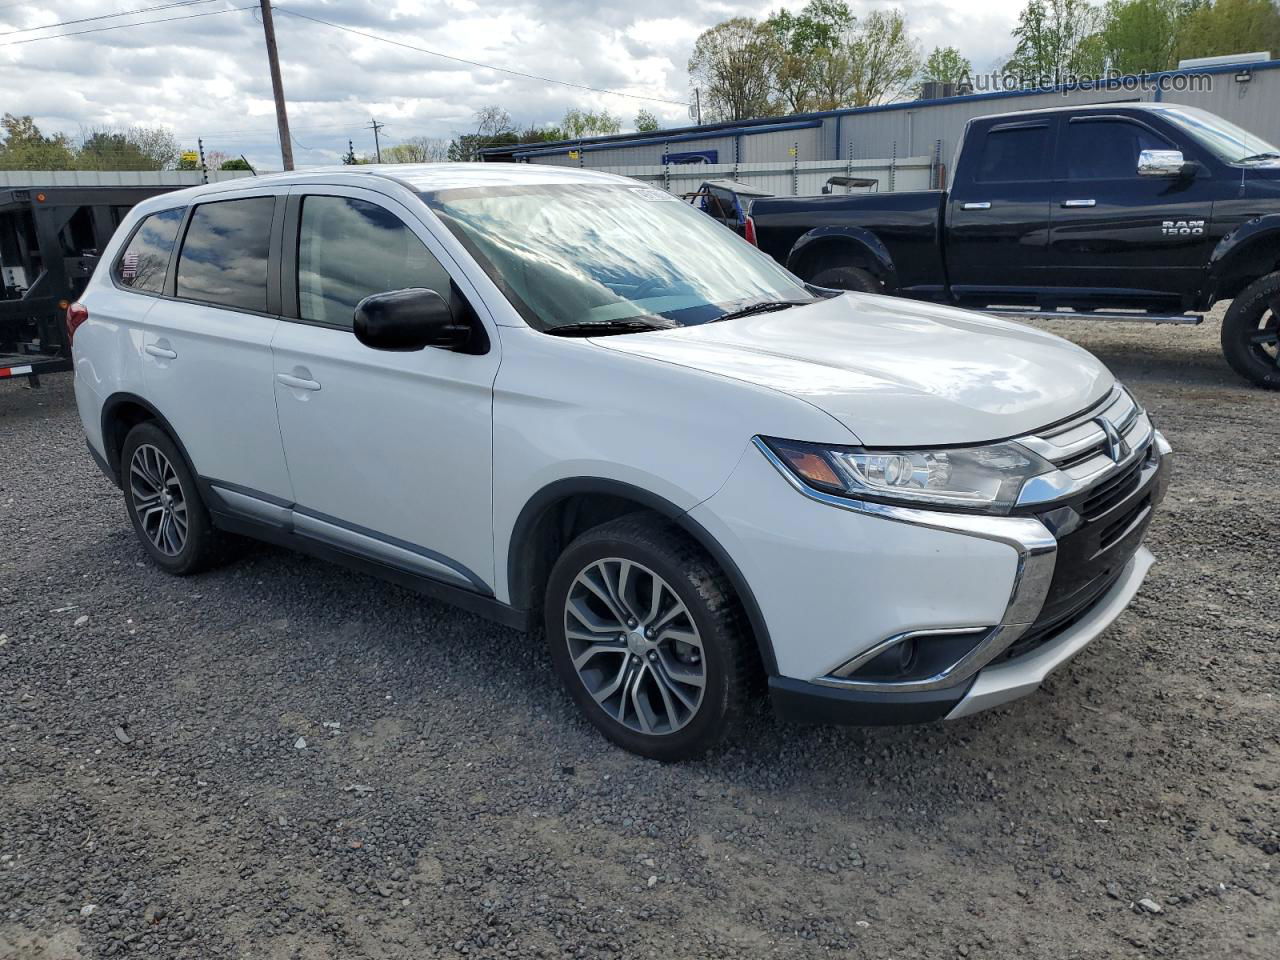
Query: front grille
[1112, 491]
[1098, 530]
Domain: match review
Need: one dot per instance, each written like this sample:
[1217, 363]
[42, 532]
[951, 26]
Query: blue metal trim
[732, 128]
[650, 141]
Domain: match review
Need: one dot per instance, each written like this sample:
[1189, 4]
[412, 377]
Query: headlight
[985, 479]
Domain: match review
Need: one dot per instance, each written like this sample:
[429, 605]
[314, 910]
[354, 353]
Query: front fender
[864, 240]
[1249, 251]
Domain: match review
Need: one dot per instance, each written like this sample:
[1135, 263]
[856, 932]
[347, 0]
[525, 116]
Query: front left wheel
[646, 636]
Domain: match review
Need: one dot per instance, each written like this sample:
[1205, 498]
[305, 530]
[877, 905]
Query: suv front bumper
[805, 702]
[1020, 594]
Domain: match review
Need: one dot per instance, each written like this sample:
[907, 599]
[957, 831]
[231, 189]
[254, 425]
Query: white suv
[566, 400]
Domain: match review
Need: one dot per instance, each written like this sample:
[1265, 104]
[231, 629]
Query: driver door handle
[163, 352]
[1079, 203]
[297, 383]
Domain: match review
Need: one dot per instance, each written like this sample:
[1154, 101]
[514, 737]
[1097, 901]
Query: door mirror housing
[1165, 163]
[408, 319]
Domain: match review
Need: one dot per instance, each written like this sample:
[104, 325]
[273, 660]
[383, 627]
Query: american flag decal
[129, 266]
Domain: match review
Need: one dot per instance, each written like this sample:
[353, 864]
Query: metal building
[1245, 93]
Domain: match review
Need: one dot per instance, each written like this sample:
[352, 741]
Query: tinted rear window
[1015, 153]
[224, 256]
[145, 260]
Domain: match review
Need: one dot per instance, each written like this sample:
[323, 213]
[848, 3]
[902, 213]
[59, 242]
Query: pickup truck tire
[1251, 332]
[847, 278]
[690, 674]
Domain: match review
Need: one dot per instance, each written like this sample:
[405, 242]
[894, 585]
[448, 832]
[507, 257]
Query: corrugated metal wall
[908, 130]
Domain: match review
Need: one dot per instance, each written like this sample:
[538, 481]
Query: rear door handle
[163, 352]
[298, 383]
[1079, 203]
[976, 205]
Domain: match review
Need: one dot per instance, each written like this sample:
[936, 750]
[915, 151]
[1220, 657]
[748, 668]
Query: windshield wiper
[762, 306]
[592, 328]
[1270, 155]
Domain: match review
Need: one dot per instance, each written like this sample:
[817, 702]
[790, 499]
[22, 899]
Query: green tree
[586, 123]
[882, 59]
[235, 163]
[25, 148]
[1140, 36]
[946, 65]
[646, 122]
[137, 148]
[1056, 40]
[494, 128]
[1229, 26]
[802, 45]
[729, 66]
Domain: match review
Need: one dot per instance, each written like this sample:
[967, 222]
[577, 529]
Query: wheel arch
[121, 413]
[1249, 252]
[563, 509]
[844, 247]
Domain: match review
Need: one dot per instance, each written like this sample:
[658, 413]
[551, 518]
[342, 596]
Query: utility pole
[697, 106]
[277, 87]
[375, 126]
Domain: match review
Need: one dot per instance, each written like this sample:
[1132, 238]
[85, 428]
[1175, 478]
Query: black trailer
[50, 241]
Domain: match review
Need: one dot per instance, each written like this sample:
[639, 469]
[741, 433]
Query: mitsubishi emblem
[1117, 448]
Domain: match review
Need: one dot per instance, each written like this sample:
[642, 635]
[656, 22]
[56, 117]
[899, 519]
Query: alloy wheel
[158, 499]
[635, 646]
[1264, 339]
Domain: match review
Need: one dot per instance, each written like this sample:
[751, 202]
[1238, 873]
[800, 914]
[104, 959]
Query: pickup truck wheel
[1251, 332]
[847, 278]
[164, 504]
[645, 634]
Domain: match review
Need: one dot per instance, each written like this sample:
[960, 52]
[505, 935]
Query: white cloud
[207, 77]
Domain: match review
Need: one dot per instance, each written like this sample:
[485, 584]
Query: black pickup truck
[1138, 211]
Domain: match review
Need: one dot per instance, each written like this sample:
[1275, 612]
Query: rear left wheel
[645, 634]
[160, 493]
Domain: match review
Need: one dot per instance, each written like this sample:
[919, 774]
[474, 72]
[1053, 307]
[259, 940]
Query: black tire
[847, 278]
[1251, 332]
[726, 654]
[202, 546]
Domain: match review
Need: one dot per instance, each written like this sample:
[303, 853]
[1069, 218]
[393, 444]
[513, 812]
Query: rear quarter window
[145, 260]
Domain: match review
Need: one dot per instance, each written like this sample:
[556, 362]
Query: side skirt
[468, 600]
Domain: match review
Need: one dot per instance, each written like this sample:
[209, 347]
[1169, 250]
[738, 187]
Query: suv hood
[894, 372]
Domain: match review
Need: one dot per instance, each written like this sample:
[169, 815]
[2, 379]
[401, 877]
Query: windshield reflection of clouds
[585, 253]
[1226, 140]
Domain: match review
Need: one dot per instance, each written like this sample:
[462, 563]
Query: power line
[106, 16]
[476, 63]
[122, 26]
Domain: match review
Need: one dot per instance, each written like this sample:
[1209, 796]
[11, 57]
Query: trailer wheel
[847, 278]
[1251, 332]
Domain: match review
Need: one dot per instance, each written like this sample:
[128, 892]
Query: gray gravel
[281, 759]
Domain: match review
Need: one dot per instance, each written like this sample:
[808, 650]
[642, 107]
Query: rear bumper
[799, 701]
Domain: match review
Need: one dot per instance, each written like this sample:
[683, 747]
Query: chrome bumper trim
[1017, 678]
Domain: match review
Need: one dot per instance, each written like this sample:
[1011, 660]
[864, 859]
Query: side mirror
[408, 320]
[1165, 163]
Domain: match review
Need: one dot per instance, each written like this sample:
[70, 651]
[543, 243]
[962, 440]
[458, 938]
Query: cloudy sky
[207, 76]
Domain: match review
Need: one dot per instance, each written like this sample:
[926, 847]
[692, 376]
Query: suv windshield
[1224, 140]
[597, 255]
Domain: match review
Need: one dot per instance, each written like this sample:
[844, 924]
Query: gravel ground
[284, 760]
